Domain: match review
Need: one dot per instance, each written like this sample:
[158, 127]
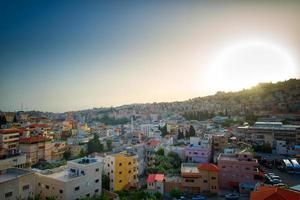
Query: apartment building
[238, 167]
[197, 178]
[269, 132]
[36, 148]
[122, 170]
[16, 183]
[199, 150]
[81, 178]
[9, 142]
[155, 183]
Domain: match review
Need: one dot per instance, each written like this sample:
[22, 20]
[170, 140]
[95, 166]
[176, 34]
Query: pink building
[237, 168]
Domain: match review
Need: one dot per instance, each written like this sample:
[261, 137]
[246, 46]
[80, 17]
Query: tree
[81, 153]
[67, 155]
[180, 134]
[105, 181]
[94, 145]
[160, 152]
[175, 159]
[109, 144]
[3, 120]
[164, 130]
[15, 119]
[192, 131]
[174, 193]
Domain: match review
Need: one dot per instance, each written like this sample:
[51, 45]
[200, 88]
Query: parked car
[232, 196]
[199, 197]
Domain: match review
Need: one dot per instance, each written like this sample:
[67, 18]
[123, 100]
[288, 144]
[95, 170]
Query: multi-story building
[155, 183]
[269, 132]
[198, 151]
[36, 148]
[57, 150]
[9, 142]
[198, 178]
[121, 168]
[16, 183]
[81, 178]
[219, 142]
[237, 168]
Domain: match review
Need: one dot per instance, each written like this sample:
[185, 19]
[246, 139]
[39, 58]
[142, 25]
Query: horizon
[62, 57]
[135, 103]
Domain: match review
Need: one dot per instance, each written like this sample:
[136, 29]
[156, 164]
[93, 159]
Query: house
[155, 183]
[198, 151]
[197, 178]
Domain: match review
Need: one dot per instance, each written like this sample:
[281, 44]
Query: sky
[69, 55]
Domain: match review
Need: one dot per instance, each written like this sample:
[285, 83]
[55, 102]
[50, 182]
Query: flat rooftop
[189, 168]
[13, 173]
[84, 161]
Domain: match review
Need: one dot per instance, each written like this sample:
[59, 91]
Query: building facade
[237, 168]
[16, 183]
[81, 178]
[122, 170]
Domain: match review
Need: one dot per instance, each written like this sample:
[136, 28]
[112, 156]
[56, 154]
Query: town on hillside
[237, 145]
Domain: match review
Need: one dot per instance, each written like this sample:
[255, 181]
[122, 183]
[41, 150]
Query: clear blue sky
[70, 55]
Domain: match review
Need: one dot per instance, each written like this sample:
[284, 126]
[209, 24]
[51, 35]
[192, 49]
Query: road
[289, 179]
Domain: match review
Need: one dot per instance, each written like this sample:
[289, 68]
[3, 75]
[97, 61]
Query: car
[275, 177]
[280, 168]
[199, 197]
[232, 196]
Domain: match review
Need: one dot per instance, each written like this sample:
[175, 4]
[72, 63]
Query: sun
[250, 62]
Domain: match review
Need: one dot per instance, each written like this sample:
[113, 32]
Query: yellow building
[122, 170]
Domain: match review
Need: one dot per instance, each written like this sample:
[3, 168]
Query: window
[25, 187]
[97, 190]
[61, 191]
[120, 164]
[8, 194]
[129, 163]
[112, 171]
[82, 172]
[97, 170]
[120, 181]
[129, 171]
[107, 165]
[39, 184]
[97, 180]
[77, 188]
[120, 172]
[213, 178]
[204, 181]
[47, 187]
[189, 180]
[87, 195]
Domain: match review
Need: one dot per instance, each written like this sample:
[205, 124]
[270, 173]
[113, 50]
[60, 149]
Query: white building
[81, 178]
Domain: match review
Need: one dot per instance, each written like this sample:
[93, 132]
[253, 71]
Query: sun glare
[247, 63]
